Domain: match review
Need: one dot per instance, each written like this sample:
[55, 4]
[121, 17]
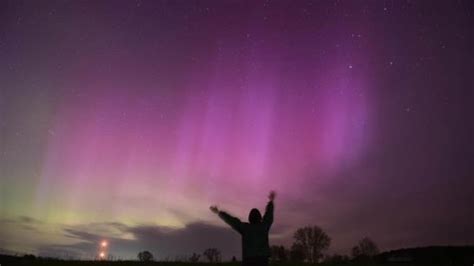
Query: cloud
[194, 237]
[163, 242]
[24, 222]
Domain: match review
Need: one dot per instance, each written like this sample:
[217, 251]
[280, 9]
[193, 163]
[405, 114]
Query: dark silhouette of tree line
[212, 255]
[311, 244]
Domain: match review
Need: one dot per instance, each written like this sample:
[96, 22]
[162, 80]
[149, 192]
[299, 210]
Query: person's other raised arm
[268, 216]
[234, 222]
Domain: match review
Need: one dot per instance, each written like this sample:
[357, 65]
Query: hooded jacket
[254, 235]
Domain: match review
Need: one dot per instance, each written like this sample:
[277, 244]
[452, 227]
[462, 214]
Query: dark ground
[423, 256]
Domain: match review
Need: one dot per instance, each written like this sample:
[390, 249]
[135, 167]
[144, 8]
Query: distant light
[104, 243]
[102, 255]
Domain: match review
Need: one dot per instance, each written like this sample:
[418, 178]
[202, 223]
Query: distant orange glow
[102, 249]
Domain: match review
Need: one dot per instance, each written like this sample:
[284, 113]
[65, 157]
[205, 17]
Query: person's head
[254, 216]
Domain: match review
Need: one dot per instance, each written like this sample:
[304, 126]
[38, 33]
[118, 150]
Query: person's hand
[272, 195]
[214, 209]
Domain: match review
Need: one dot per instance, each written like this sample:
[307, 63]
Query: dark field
[422, 256]
[5, 261]
[138, 263]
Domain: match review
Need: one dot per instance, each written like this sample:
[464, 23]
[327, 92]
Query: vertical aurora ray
[248, 131]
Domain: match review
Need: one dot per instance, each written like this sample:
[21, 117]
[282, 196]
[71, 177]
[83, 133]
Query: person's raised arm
[234, 222]
[268, 216]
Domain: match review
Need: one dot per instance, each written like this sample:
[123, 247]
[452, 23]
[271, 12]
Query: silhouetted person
[255, 248]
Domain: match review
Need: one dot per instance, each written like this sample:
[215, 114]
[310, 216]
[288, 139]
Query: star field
[120, 119]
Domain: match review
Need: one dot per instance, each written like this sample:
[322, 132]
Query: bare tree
[145, 256]
[212, 255]
[314, 241]
[365, 248]
[194, 258]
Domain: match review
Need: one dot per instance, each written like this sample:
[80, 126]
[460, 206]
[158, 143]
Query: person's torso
[255, 240]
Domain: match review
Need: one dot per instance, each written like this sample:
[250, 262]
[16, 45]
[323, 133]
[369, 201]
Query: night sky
[126, 120]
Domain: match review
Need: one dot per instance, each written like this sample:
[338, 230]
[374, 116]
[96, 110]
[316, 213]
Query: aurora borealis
[126, 120]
